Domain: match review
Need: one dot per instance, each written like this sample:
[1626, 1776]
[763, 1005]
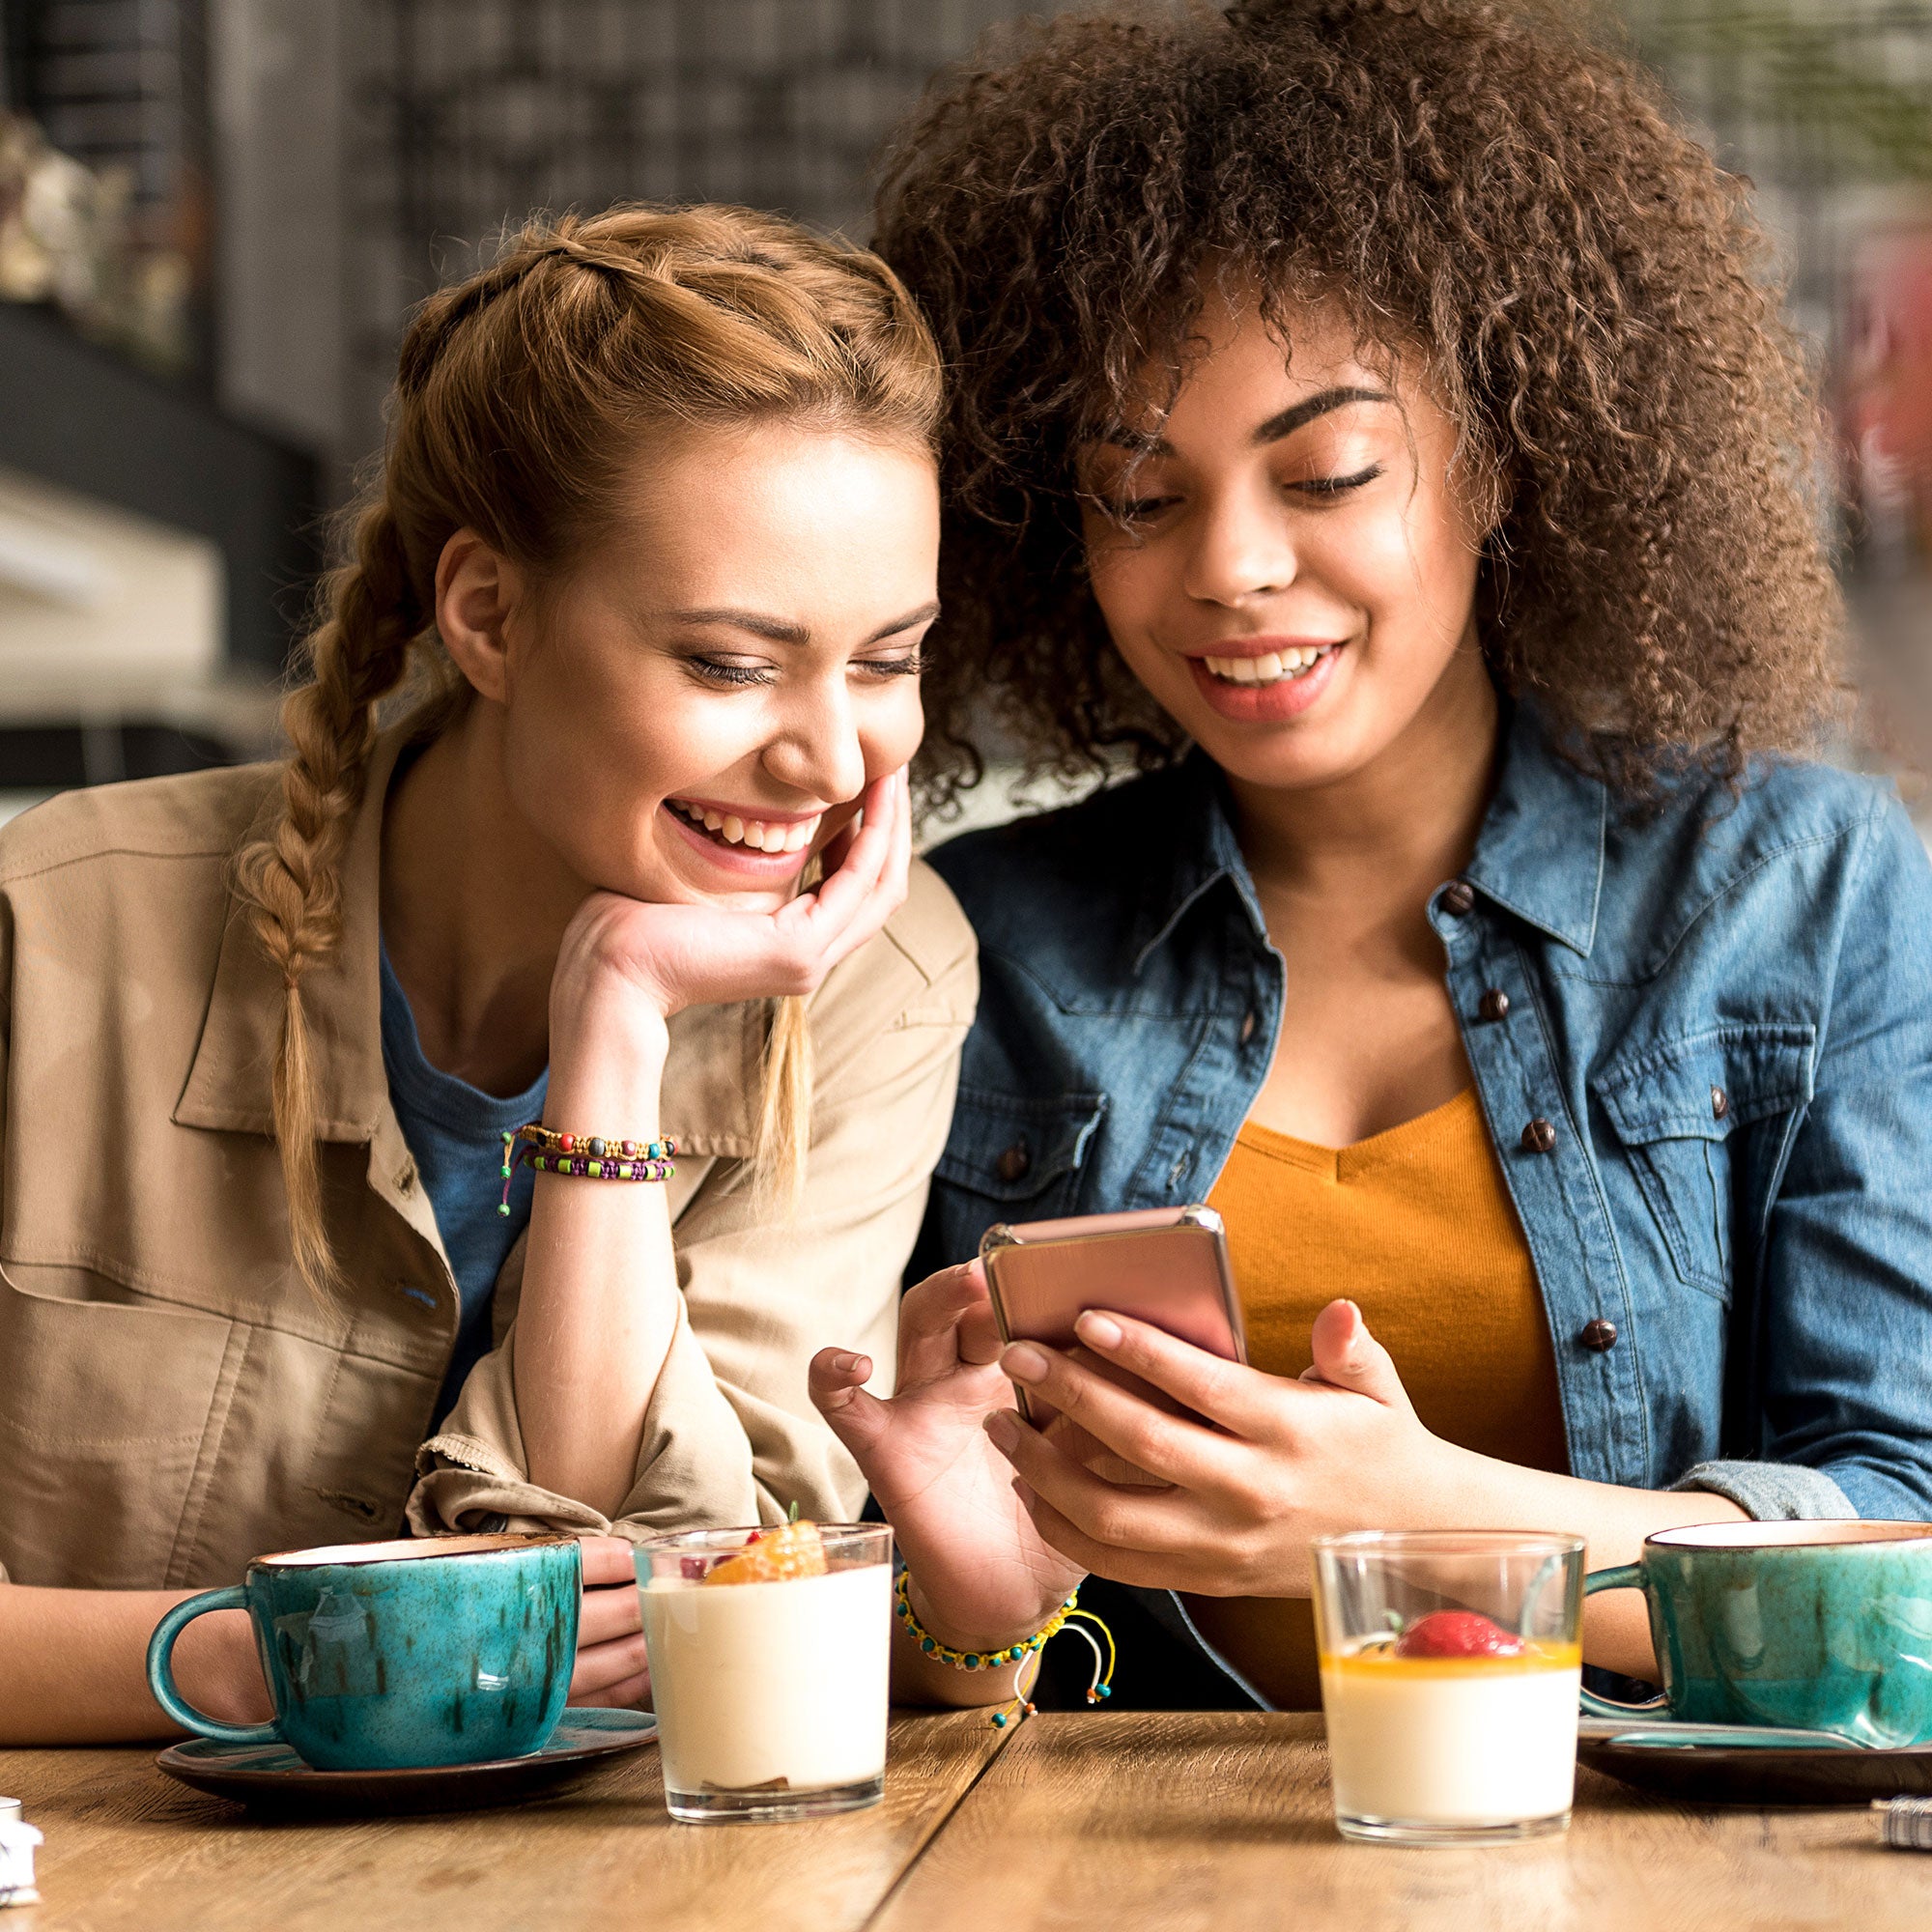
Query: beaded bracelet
[547, 1140]
[1063, 1619]
[599, 1159]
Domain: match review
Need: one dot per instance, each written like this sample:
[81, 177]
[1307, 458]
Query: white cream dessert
[1453, 1726]
[770, 1673]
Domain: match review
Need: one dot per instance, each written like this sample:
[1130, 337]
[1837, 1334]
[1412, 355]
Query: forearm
[599, 1302]
[73, 1665]
[1614, 1523]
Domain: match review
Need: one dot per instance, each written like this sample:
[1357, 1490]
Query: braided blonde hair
[520, 398]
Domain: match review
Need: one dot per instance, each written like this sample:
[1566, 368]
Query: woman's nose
[818, 751]
[1241, 548]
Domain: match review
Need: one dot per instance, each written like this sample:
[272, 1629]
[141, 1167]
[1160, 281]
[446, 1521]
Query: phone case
[1166, 1266]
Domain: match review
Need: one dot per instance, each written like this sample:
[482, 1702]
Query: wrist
[607, 1068]
[937, 1625]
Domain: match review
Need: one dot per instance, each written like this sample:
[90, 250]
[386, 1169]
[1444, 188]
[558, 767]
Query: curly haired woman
[659, 530]
[1375, 417]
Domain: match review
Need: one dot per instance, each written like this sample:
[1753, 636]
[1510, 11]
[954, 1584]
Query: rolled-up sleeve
[730, 1435]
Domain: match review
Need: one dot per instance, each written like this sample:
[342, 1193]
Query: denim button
[1720, 1103]
[1013, 1163]
[1598, 1336]
[1539, 1137]
[1248, 1027]
[1493, 1006]
[1458, 896]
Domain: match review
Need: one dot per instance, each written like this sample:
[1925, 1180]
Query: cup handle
[161, 1673]
[1627, 1577]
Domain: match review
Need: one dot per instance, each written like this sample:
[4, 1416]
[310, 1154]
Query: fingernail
[1101, 1330]
[1024, 1363]
[1003, 1427]
[845, 1364]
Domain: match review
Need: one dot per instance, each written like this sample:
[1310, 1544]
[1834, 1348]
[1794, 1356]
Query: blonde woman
[654, 550]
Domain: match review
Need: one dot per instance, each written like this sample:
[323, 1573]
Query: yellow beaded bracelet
[1068, 1616]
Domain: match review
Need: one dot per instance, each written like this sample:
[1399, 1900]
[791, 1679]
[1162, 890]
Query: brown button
[1248, 1027]
[1539, 1137]
[1720, 1103]
[1598, 1336]
[1494, 1004]
[1458, 896]
[1014, 1162]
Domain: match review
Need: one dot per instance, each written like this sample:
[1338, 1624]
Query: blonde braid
[290, 880]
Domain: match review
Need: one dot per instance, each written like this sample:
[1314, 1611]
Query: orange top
[1416, 1225]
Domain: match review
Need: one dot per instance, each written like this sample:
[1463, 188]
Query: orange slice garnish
[777, 1556]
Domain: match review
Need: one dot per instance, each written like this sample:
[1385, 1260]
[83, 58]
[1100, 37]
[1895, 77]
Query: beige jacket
[173, 1402]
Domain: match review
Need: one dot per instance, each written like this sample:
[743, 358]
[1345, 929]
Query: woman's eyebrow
[1282, 424]
[780, 630]
[788, 630]
[1298, 415]
[925, 615]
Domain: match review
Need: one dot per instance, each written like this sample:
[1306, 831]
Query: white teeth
[757, 834]
[1269, 668]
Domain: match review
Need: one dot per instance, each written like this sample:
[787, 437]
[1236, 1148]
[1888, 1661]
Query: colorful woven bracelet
[583, 1157]
[1068, 1617]
[546, 1140]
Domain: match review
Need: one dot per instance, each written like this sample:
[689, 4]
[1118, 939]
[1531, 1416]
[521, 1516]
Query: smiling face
[699, 705]
[1286, 560]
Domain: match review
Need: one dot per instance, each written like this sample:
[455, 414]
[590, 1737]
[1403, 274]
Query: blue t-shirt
[454, 1133]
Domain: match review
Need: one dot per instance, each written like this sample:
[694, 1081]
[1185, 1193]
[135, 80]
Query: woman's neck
[474, 906]
[1385, 837]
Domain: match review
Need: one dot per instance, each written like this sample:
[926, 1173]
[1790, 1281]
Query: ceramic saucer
[1648, 1756]
[271, 1778]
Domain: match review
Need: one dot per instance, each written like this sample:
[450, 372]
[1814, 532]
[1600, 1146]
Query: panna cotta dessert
[770, 1655]
[1453, 1724]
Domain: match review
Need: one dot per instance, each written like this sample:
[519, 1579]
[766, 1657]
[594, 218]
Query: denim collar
[1540, 853]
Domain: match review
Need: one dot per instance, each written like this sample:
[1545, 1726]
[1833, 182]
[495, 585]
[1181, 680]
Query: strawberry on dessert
[1457, 1633]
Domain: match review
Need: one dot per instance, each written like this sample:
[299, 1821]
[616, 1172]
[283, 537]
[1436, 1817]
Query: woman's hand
[670, 956]
[612, 1669]
[981, 1577]
[1271, 1464]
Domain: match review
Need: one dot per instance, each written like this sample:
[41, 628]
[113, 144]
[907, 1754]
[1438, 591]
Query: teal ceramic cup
[388, 1655]
[1825, 1624]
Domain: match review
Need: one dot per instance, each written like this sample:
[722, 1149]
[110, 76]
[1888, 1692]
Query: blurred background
[214, 215]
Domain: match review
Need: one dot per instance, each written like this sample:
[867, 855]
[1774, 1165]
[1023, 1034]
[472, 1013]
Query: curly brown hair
[1487, 182]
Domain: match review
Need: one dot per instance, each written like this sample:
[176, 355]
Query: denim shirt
[1709, 1090]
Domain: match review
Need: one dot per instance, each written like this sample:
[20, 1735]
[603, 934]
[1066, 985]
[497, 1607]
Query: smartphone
[1167, 1266]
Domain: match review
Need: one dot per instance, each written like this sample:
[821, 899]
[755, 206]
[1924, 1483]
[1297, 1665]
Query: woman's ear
[477, 590]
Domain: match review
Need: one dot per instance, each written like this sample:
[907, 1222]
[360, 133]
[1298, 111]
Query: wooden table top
[1114, 1821]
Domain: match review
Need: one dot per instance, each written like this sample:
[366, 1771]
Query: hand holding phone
[1167, 1266]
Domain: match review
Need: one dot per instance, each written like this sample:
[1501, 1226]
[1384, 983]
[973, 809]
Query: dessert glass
[770, 1652]
[1451, 1661]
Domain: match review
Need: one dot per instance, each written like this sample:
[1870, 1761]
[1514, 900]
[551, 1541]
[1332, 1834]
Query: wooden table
[1111, 1820]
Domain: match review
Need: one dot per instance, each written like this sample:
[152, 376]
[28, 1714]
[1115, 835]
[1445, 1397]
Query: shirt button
[1598, 1336]
[1720, 1103]
[1248, 1027]
[1458, 896]
[1493, 1006]
[1539, 1137]
[1014, 1162]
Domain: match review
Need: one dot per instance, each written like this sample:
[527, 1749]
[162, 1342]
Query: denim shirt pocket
[1021, 1155]
[1675, 1108]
